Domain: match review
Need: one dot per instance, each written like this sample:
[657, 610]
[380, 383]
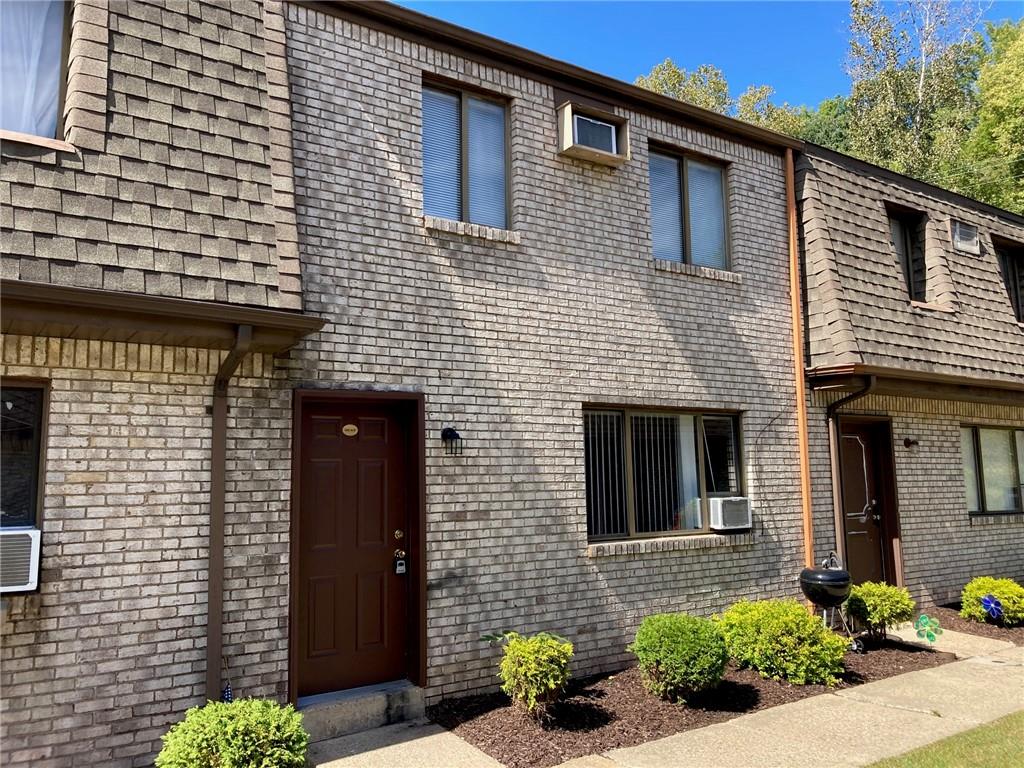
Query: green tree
[704, 87]
[913, 102]
[707, 87]
[995, 152]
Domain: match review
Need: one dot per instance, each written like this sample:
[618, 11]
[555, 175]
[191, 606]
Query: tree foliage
[930, 97]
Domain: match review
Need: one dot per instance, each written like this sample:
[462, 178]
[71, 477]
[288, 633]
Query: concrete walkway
[852, 727]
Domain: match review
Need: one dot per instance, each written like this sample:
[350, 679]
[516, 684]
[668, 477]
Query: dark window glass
[720, 470]
[907, 232]
[21, 418]
[1011, 266]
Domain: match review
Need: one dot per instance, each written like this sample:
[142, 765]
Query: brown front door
[868, 498]
[355, 498]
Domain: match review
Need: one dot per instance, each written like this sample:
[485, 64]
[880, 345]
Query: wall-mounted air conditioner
[594, 135]
[730, 514]
[19, 559]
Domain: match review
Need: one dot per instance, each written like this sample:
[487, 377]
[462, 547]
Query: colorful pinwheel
[992, 607]
[927, 628]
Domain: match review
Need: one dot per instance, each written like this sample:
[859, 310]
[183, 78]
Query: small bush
[247, 733]
[535, 670]
[781, 640]
[679, 655]
[1007, 591]
[880, 606]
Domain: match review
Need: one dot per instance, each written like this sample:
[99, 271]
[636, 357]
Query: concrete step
[329, 715]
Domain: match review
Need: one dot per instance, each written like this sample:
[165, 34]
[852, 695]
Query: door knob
[399, 554]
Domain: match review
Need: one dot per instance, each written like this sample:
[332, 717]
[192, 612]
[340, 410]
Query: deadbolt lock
[399, 533]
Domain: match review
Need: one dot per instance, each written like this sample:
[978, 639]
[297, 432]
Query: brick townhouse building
[915, 332]
[336, 336]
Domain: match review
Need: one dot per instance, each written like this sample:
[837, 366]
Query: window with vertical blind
[650, 473]
[688, 211]
[465, 157]
[993, 463]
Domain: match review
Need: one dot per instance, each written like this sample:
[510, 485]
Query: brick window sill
[668, 544]
[435, 224]
[722, 275]
[995, 518]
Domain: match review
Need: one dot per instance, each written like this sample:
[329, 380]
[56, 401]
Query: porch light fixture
[452, 441]
[909, 442]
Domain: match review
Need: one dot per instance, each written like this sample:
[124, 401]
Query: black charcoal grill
[828, 586]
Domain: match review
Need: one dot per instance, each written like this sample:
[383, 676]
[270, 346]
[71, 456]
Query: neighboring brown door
[353, 515]
[864, 452]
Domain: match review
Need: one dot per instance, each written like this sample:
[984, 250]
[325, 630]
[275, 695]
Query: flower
[993, 607]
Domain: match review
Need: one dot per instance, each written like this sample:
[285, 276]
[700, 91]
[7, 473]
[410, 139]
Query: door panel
[353, 609]
[868, 505]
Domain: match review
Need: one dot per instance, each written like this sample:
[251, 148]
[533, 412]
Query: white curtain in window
[31, 37]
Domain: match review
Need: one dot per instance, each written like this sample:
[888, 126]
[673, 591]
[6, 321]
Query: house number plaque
[350, 430]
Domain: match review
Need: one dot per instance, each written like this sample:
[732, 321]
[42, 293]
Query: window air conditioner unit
[593, 135]
[19, 559]
[730, 514]
[965, 237]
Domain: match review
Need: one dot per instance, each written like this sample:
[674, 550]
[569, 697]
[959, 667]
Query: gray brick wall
[508, 336]
[177, 181]
[943, 547]
[111, 650]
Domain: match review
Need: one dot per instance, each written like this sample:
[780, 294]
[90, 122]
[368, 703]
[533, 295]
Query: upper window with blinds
[689, 223]
[31, 66]
[465, 157]
[1011, 267]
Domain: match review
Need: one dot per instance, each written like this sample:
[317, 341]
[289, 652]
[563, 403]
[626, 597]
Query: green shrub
[781, 640]
[535, 670]
[247, 733]
[880, 606]
[679, 655]
[1007, 591]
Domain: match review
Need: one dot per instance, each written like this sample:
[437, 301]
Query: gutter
[218, 470]
[833, 452]
[489, 50]
[796, 312]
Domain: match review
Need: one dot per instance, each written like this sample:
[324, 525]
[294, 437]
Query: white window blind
[666, 208]
[486, 163]
[442, 154]
[31, 39]
[707, 214]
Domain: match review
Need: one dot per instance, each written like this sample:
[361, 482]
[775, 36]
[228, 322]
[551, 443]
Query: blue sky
[796, 47]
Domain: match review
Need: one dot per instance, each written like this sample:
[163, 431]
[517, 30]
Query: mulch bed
[610, 711]
[949, 618]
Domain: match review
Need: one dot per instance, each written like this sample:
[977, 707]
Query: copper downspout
[218, 470]
[833, 455]
[798, 363]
